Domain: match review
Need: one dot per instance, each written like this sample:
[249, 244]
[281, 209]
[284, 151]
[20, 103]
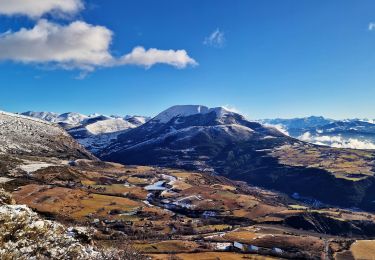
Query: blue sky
[268, 58]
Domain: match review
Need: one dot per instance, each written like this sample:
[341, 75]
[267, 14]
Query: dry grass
[211, 256]
[212, 228]
[241, 236]
[180, 185]
[170, 246]
[341, 162]
[100, 205]
[363, 249]
[121, 190]
[138, 181]
[76, 204]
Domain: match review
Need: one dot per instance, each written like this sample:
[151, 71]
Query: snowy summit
[189, 110]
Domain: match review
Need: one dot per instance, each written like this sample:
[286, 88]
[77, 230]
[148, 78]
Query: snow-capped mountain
[223, 142]
[187, 131]
[187, 110]
[350, 133]
[97, 133]
[94, 132]
[136, 120]
[70, 118]
[30, 136]
[47, 116]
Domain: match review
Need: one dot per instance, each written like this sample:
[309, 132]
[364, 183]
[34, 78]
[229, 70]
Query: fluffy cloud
[147, 58]
[37, 8]
[371, 26]
[370, 121]
[337, 141]
[79, 46]
[231, 108]
[215, 39]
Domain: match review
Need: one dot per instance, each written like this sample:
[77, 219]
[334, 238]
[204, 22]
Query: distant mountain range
[94, 132]
[97, 131]
[350, 133]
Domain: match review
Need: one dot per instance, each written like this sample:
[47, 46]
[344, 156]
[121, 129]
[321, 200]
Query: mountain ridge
[94, 131]
[227, 144]
[30, 136]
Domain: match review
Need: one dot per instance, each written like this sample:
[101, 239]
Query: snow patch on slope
[30, 168]
[109, 126]
[188, 110]
[24, 117]
[70, 118]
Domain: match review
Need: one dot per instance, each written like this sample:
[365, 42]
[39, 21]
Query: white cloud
[337, 141]
[371, 26]
[279, 127]
[147, 58]
[79, 46]
[232, 109]
[215, 39]
[37, 8]
[370, 121]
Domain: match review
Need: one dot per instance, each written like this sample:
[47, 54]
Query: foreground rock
[24, 235]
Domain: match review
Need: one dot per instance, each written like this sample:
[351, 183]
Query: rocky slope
[28, 136]
[25, 235]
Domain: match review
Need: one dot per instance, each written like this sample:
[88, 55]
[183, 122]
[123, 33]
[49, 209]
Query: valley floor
[174, 214]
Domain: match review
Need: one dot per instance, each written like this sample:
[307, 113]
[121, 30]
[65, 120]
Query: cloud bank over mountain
[337, 141]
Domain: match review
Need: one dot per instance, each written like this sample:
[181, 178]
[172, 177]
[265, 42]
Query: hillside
[162, 212]
[223, 142]
[28, 136]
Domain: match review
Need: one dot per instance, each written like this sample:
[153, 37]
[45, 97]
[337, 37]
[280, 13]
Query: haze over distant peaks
[348, 133]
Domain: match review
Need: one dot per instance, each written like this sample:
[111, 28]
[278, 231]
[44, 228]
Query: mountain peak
[189, 110]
